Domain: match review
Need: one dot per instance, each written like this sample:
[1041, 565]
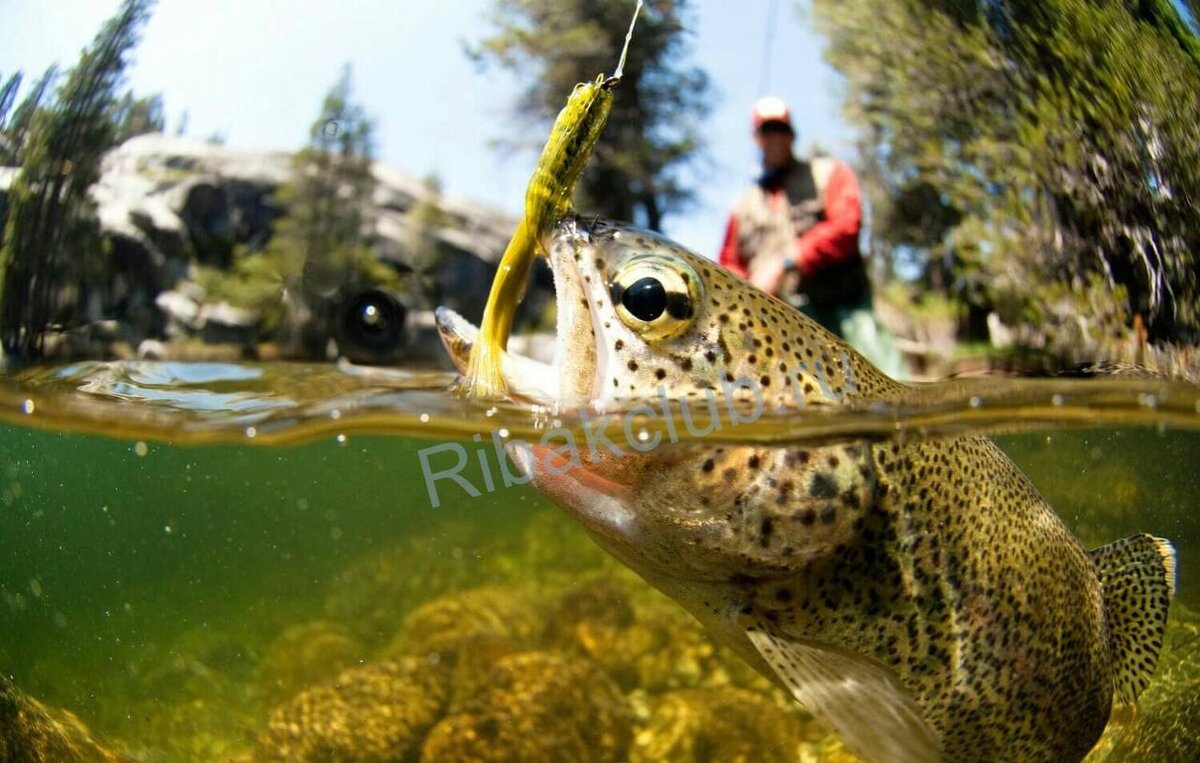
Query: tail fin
[1137, 578]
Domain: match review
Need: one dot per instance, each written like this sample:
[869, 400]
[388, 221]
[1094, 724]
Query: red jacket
[832, 241]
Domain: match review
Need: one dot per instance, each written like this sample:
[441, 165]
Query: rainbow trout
[921, 598]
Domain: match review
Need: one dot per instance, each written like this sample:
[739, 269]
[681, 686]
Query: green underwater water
[183, 599]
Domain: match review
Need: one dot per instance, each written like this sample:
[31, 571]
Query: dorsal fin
[864, 703]
[1137, 581]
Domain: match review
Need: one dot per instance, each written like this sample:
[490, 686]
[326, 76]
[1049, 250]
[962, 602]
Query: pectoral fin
[876, 718]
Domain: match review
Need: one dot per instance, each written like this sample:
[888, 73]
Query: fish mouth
[571, 378]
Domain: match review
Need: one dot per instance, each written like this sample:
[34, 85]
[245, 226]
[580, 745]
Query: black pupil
[645, 299]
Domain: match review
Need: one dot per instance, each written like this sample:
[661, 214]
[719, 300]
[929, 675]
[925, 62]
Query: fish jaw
[569, 381]
[525, 377]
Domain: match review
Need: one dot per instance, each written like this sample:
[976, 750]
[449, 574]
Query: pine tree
[323, 247]
[14, 130]
[138, 116]
[329, 199]
[1046, 149]
[52, 240]
[653, 134]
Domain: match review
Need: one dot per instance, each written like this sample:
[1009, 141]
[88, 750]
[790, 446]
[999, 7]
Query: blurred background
[308, 180]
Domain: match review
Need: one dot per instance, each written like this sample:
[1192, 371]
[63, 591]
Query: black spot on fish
[765, 528]
[822, 487]
[633, 366]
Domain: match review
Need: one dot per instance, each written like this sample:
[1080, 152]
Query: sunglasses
[774, 128]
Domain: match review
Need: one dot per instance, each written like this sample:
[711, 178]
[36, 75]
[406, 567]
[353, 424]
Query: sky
[256, 71]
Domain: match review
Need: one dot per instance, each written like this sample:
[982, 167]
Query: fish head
[646, 331]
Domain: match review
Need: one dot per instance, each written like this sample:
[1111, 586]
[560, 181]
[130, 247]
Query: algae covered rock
[306, 654]
[377, 712]
[439, 625]
[537, 706]
[467, 633]
[720, 723]
[30, 731]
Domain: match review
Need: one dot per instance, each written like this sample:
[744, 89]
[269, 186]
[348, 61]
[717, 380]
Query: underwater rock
[442, 624]
[537, 706]
[30, 731]
[306, 654]
[720, 723]
[601, 599]
[377, 712]
[468, 632]
[642, 639]
[667, 649]
[589, 620]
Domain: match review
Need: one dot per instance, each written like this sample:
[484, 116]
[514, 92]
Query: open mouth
[570, 379]
[525, 377]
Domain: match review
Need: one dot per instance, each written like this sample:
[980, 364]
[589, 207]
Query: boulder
[168, 203]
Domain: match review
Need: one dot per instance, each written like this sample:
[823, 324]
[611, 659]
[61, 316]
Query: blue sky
[256, 71]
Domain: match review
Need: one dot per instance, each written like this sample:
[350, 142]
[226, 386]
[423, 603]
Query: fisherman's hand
[769, 277]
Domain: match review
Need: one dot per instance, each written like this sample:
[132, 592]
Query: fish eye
[656, 296]
[645, 299]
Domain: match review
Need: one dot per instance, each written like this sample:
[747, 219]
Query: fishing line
[768, 46]
[628, 38]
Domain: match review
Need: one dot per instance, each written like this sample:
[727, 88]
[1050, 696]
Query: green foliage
[52, 241]
[1037, 148]
[321, 249]
[14, 131]
[138, 116]
[653, 134]
[254, 282]
[324, 241]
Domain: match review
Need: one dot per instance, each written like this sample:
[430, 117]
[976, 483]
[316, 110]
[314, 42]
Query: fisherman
[794, 234]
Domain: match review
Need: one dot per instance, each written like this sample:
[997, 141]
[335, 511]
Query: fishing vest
[767, 231]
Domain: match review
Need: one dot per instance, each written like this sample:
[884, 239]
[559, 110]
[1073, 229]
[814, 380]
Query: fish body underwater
[920, 597]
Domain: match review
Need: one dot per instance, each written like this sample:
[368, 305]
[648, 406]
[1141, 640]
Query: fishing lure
[547, 198]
